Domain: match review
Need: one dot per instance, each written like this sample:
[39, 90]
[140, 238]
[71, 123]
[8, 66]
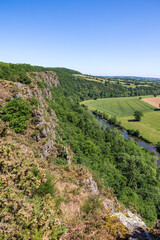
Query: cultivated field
[153, 101]
[119, 107]
[124, 108]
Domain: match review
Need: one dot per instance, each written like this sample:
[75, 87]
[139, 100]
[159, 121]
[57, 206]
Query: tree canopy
[138, 115]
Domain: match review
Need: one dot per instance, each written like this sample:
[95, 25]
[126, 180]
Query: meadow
[149, 126]
[124, 108]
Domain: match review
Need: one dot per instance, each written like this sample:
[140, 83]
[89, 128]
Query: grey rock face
[50, 77]
[38, 95]
[47, 93]
[135, 225]
[91, 185]
[38, 117]
[130, 220]
[19, 95]
[108, 204]
[47, 147]
[38, 138]
[44, 133]
[28, 92]
[18, 85]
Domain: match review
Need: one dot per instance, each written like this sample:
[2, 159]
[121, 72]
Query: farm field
[124, 108]
[153, 101]
[120, 107]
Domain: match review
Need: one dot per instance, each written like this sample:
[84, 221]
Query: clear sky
[100, 37]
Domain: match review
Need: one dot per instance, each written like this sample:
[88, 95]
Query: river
[140, 142]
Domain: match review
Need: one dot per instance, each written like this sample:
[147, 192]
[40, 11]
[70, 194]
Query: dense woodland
[130, 170]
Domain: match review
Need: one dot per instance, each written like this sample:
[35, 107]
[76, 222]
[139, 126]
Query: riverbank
[150, 147]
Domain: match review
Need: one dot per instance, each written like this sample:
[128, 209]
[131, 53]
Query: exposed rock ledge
[135, 225]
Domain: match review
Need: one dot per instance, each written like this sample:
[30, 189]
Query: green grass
[124, 108]
[149, 126]
[120, 107]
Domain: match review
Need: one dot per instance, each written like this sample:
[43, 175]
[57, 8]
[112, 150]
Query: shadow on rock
[140, 234]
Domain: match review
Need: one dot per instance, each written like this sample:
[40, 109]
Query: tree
[138, 115]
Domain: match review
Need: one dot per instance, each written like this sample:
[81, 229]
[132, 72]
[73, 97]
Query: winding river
[140, 142]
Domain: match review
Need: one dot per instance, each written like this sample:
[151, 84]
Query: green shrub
[16, 112]
[60, 161]
[91, 205]
[35, 101]
[40, 85]
[49, 111]
[23, 78]
[46, 187]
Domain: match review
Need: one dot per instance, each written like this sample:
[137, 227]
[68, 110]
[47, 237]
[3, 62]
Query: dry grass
[155, 102]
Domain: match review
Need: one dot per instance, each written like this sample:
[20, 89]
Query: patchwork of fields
[124, 108]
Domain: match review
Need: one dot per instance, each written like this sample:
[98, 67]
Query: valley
[62, 175]
[124, 109]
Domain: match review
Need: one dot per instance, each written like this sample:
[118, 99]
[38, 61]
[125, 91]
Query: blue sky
[101, 37]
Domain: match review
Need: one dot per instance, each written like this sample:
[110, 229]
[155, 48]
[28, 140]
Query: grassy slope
[124, 109]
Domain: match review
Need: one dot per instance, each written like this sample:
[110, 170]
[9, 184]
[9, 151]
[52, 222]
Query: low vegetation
[24, 214]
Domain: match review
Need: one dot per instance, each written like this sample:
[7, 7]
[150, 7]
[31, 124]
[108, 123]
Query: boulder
[47, 148]
[19, 95]
[135, 225]
[130, 220]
